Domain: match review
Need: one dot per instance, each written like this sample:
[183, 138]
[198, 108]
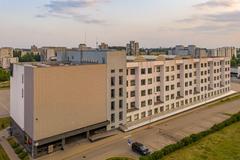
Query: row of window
[172, 68]
[113, 117]
[168, 107]
[113, 105]
[120, 80]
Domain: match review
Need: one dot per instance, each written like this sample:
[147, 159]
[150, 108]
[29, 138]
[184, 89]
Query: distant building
[181, 50]
[7, 61]
[132, 48]
[6, 57]
[50, 53]
[223, 52]
[103, 46]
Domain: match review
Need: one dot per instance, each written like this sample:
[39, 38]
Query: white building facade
[159, 88]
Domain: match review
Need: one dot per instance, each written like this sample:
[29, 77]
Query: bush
[18, 150]
[191, 139]
[22, 155]
[4, 75]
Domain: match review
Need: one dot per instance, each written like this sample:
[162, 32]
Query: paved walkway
[6, 146]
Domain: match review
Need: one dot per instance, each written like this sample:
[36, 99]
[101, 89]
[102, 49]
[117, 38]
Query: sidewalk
[6, 146]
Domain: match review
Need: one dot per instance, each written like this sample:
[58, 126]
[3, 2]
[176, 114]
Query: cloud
[226, 19]
[215, 3]
[79, 10]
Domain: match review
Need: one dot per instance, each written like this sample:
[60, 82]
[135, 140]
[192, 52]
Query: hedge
[191, 139]
[20, 151]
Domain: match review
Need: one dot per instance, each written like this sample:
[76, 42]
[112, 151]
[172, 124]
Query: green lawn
[222, 145]
[3, 154]
[4, 123]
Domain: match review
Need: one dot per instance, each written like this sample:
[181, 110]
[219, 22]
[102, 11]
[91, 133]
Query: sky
[153, 23]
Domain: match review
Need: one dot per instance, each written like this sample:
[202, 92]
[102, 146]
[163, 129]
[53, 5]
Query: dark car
[140, 149]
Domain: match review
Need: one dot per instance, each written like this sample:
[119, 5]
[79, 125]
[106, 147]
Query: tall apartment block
[88, 91]
[132, 48]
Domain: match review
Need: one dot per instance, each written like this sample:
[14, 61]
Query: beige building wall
[116, 68]
[62, 105]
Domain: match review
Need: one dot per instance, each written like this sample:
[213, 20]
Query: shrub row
[191, 139]
[20, 151]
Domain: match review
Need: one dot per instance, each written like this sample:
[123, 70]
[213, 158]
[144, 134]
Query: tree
[27, 58]
[4, 75]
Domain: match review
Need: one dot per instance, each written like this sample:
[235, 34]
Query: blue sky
[154, 23]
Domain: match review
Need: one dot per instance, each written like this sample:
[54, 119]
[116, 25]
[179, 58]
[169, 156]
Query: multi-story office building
[132, 48]
[223, 52]
[159, 87]
[111, 89]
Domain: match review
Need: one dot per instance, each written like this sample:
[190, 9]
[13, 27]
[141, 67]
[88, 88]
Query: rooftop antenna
[96, 43]
[85, 38]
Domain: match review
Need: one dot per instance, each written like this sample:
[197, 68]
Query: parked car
[140, 149]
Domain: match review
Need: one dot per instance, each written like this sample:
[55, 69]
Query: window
[172, 87]
[149, 112]
[143, 71]
[178, 84]
[167, 88]
[172, 68]
[167, 97]
[120, 116]
[133, 83]
[172, 78]
[158, 79]
[186, 75]
[132, 104]
[167, 69]
[120, 70]
[178, 76]
[120, 92]
[143, 104]
[158, 99]
[143, 93]
[158, 69]
[112, 81]
[112, 93]
[132, 71]
[172, 96]
[161, 109]
[150, 81]
[112, 71]
[158, 88]
[112, 105]
[178, 67]
[143, 114]
[132, 93]
[150, 102]
[113, 118]
[120, 104]
[143, 82]
[149, 70]
[186, 66]
[120, 80]
[150, 92]
[167, 78]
